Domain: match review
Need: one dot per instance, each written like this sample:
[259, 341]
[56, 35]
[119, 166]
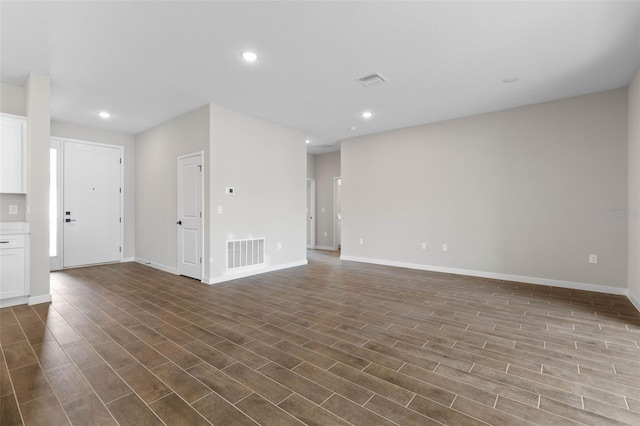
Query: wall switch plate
[325, 234]
[219, 209]
[279, 246]
[593, 258]
[13, 209]
[323, 210]
[361, 241]
[445, 247]
[424, 246]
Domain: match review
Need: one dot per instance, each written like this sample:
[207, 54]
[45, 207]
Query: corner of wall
[633, 206]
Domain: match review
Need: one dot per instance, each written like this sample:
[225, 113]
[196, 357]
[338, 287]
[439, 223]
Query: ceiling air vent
[323, 146]
[370, 80]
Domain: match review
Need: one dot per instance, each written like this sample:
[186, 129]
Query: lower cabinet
[13, 273]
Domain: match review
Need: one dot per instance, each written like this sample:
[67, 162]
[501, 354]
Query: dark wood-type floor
[331, 343]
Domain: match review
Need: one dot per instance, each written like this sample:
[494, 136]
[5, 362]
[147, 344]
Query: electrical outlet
[593, 258]
[445, 247]
[424, 246]
[219, 209]
[13, 209]
[361, 241]
[279, 246]
[325, 234]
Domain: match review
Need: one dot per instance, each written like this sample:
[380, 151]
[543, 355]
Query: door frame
[337, 181]
[312, 214]
[61, 191]
[202, 207]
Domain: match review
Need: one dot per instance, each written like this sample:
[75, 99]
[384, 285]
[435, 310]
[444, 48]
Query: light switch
[13, 209]
[219, 209]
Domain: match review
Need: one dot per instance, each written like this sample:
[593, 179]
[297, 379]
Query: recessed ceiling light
[508, 80]
[367, 114]
[308, 141]
[249, 56]
[104, 114]
[352, 128]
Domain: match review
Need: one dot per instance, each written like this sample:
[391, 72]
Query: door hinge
[121, 161]
[200, 260]
[120, 249]
[120, 220]
[200, 214]
[121, 190]
[199, 167]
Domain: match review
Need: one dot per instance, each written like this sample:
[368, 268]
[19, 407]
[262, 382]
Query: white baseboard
[128, 259]
[36, 300]
[493, 275]
[634, 300]
[155, 265]
[243, 274]
[325, 248]
[14, 301]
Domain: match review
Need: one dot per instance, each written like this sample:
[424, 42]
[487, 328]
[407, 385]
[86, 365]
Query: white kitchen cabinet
[14, 261]
[13, 154]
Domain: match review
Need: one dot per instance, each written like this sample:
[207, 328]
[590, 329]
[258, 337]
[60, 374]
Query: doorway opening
[85, 204]
[311, 213]
[337, 213]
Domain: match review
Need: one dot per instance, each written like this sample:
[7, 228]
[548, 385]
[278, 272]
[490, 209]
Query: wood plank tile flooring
[332, 343]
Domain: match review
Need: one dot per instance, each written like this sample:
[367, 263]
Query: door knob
[179, 222]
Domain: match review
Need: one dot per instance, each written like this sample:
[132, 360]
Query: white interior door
[189, 224]
[311, 213]
[337, 216]
[92, 196]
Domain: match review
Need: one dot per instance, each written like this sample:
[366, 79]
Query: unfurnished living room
[320, 213]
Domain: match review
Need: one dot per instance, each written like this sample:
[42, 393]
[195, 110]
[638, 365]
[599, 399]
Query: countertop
[10, 228]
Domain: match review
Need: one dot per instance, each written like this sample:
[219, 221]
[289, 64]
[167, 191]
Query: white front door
[91, 214]
[189, 224]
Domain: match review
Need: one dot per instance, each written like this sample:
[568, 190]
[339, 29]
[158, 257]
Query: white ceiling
[147, 62]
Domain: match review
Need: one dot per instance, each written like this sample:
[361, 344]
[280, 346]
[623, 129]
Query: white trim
[494, 275]
[14, 301]
[36, 300]
[234, 276]
[128, 259]
[325, 248]
[635, 302]
[155, 265]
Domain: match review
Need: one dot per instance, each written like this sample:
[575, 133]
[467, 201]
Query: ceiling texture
[147, 62]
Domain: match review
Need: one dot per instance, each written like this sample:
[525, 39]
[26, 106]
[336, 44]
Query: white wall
[88, 134]
[311, 166]
[327, 167]
[521, 192]
[12, 102]
[634, 190]
[37, 102]
[12, 99]
[265, 164]
[157, 152]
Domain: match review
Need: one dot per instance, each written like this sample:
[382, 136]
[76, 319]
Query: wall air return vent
[370, 80]
[243, 253]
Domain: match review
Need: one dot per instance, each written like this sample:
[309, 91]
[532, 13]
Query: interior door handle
[69, 220]
[179, 222]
